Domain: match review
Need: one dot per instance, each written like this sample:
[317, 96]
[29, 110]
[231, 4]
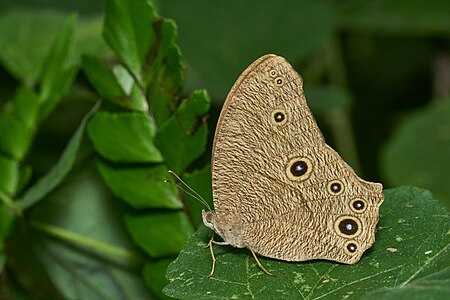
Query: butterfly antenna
[193, 193]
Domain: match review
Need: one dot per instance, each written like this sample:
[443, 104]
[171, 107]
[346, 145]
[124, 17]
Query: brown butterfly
[278, 188]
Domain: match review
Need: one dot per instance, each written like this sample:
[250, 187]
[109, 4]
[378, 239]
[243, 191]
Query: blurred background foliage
[376, 75]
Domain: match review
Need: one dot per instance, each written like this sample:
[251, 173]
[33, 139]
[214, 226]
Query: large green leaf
[124, 137]
[182, 138]
[141, 186]
[412, 241]
[56, 175]
[85, 220]
[160, 234]
[417, 153]
[129, 32]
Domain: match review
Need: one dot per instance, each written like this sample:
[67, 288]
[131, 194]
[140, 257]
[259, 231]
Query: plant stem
[86, 242]
[6, 200]
[345, 142]
[340, 119]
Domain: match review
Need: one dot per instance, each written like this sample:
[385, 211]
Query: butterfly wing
[276, 183]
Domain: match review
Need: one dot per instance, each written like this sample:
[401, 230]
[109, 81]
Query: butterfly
[278, 188]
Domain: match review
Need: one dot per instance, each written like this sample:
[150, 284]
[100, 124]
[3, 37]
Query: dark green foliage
[95, 110]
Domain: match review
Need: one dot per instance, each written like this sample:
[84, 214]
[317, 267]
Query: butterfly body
[278, 188]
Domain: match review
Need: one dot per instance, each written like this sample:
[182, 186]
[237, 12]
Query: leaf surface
[124, 137]
[183, 137]
[82, 206]
[164, 73]
[161, 233]
[433, 286]
[128, 31]
[141, 186]
[415, 152]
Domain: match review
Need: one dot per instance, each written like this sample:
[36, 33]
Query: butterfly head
[229, 233]
[208, 219]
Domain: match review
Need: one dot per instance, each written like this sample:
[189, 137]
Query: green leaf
[9, 175]
[15, 138]
[395, 17]
[108, 86]
[164, 73]
[160, 234]
[183, 137]
[88, 37]
[141, 186]
[413, 241]
[25, 106]
[102, 78]
[124, 137]
[18, 124]
[128, 31]
[419, 143]
[59, 69]
[56, 175]
[82, 209]
[26, 37]
[434, 286]
[154, 276]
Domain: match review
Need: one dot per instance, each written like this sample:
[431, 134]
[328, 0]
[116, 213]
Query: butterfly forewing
[276, 183]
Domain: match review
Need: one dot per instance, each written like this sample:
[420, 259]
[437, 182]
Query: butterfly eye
[358, 205]
[279, 81]
[278, 117]
[351, 247]
[273, 73]
[347, 226]
[299, 168]
[335, 187]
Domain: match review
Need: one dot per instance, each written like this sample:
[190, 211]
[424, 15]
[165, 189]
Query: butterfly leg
[259, 264]
[210, 245]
